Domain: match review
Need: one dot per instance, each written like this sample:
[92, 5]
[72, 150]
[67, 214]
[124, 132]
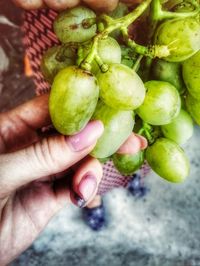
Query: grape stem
[158, 14]
[137, 63]
[146, 131]
[107, 25]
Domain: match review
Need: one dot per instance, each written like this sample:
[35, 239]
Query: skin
[102, 5]
[33, 173]
[61, 4]
[97, 5]
[29, 4]
[25, 186]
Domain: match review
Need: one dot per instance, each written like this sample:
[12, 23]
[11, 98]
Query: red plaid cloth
[38, 37]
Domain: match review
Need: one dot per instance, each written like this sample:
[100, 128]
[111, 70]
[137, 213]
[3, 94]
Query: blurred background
[162, 228]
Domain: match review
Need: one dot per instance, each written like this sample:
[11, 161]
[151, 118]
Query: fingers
[29, 4]
[50, 156]
[34, 113]
[86, 181]
[61, 4]
[98, 5]
[17, 127]
[133, 144]
[96, 202]
[102, 5]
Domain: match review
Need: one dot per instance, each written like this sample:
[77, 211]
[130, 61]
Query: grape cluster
[148, 85]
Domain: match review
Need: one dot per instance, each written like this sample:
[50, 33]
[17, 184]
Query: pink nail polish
[87, 186]
[87, 136]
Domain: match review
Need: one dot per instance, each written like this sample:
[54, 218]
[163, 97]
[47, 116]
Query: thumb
[50, 156]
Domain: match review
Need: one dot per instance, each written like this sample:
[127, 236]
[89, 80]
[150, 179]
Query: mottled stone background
[161, 230]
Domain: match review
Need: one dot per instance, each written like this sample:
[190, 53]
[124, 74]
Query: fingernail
[130, 146]
[87, 186]
[143, 142]
[87, 136]
[80, 202]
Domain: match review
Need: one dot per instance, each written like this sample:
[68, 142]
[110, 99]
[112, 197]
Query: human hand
[97, 5]
[28, 196]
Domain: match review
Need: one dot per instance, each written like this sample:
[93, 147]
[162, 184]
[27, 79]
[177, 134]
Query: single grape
[50, 65]
[191, 75]
[118, 125]
[193, 107]
[121, 87]
[162, 103]
[73, 98]
[168, 160]
[127, 164]
[108, 50]
[168, 71]
[180, 129]
[68, 25]
[182, 36]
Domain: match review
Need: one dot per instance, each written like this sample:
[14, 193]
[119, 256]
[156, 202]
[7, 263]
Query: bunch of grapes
[136, 69]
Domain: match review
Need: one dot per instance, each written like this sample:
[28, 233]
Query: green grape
[73, 98]
[127, 164]
[121, 87]
[108, 50]
[180, 129]
[168, 71]
[118, 125]
[68, 25]
[191, 75]
[182, 36]
[193, 107]
[50, 65]
[162, 103]
[168, 160]
[104, 160]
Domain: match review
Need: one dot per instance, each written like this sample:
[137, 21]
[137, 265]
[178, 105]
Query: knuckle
[46, 154]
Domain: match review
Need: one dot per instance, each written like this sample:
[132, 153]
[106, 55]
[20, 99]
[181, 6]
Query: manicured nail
[80, 202]
[88, 136]
[87, 186]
